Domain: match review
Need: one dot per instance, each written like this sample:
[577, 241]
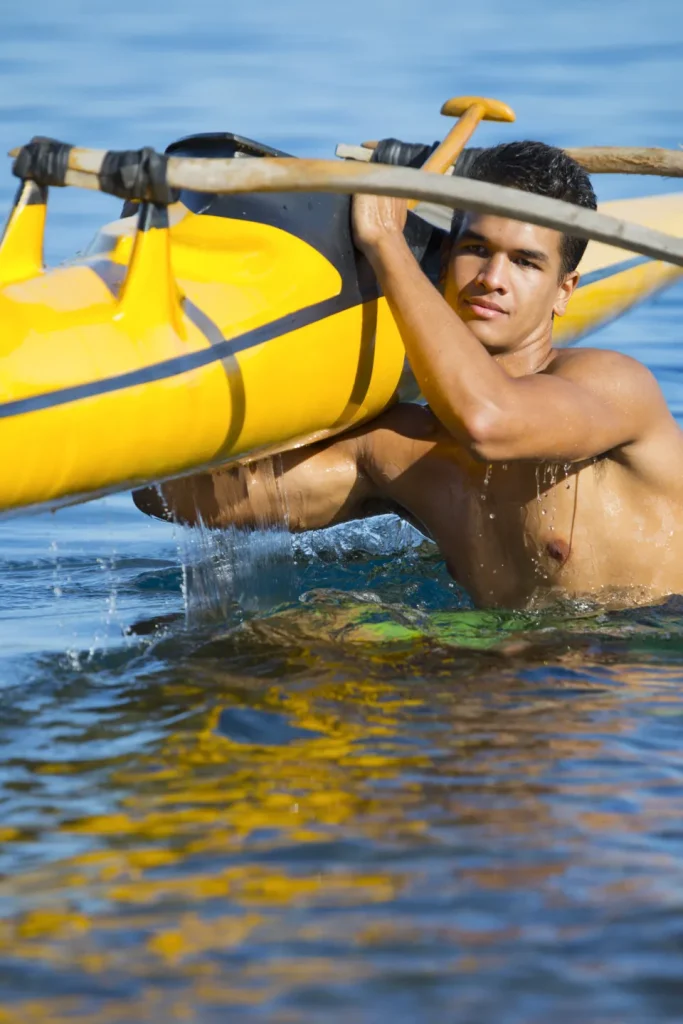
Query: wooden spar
[594, 159]
[629, 160]
[267, 174]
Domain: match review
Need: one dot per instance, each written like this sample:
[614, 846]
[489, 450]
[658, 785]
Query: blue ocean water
[224, 794]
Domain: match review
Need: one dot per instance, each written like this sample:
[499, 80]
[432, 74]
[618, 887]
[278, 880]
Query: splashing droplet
[485, 483]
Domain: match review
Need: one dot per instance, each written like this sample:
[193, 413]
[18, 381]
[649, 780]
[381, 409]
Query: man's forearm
[214, 499]
[459, 379]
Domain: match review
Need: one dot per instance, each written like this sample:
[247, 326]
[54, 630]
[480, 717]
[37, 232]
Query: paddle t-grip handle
[469, 110]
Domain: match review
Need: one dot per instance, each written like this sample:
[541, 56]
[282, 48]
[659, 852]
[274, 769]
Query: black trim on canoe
[322, 219]
[616, 268]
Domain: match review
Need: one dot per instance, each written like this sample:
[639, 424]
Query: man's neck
[531, 356]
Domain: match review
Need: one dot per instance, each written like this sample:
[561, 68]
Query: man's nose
[494, 274]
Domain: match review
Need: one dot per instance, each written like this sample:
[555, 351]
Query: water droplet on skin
[487, 477]
[492, 515]
[543, 512]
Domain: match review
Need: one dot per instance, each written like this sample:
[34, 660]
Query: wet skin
[540, 473]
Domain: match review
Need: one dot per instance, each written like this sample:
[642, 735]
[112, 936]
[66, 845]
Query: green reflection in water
[275, 838]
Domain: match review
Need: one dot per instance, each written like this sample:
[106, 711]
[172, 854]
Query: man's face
[504, 280]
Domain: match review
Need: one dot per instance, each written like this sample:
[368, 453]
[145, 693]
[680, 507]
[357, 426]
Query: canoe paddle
[469, 110]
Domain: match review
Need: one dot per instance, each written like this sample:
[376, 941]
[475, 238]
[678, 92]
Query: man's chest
[506, 529]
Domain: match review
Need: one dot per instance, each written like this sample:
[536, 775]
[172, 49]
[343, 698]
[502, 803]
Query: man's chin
[491, 334]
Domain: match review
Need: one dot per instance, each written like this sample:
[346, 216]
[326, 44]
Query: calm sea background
[279, 780]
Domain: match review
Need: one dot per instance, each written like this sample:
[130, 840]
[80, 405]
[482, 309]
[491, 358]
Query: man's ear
[565, 292]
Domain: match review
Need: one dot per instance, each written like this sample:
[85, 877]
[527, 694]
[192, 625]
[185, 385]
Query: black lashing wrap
[401, 154]
[43, 160]
[137, 174]
[414, 154]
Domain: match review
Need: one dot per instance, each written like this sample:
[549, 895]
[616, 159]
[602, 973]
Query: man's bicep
[610, 403]
[324, 484]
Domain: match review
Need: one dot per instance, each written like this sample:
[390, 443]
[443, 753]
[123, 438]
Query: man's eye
[521, 262]
[475, 248]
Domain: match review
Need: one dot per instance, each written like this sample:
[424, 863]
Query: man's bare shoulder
[601, 367]
[617, 378]
[655, 451]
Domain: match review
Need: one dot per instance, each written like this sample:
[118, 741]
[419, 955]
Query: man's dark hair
[533, 167]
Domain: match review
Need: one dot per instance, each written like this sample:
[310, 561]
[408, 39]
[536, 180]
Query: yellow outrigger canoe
[218, 329]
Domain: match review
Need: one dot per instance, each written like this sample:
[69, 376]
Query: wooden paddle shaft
[267, 174]
[445, 155]
[441, 159]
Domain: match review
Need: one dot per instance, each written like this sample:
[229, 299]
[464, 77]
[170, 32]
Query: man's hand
[377, 219]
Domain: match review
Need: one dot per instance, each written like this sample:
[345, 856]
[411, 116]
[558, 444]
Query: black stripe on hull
[178, 365]
[113, 275]
[616, 268]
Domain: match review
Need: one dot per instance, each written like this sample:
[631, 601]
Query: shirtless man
[540, 473]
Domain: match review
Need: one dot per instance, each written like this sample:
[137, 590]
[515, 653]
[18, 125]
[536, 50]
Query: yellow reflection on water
[223, 865]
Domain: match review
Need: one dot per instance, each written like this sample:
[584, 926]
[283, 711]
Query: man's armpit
[385, 506]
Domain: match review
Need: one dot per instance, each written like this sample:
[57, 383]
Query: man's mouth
[484, 309]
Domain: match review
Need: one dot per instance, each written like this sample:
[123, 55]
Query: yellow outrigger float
[220, 325]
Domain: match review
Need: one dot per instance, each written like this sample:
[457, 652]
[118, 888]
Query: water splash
[381, 536]
[227, 572]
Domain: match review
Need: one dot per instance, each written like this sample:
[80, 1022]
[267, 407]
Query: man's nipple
[558, 550]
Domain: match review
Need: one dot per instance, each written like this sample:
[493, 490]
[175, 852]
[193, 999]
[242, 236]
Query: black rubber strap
[137, 174]
[44, 161]
[414, 154]
[401, 154]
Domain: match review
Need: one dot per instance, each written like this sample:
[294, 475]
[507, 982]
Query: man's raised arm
[576, 409]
